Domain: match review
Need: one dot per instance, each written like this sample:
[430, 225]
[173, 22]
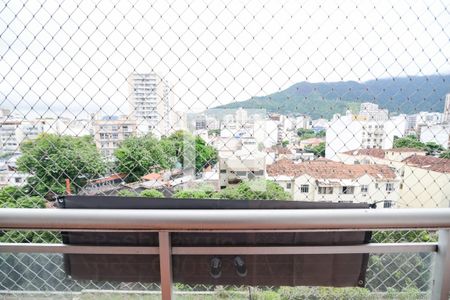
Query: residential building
[424, 179]
[356, 131]
[10, 137]
[9, 175]
[12, 178]
[303, 121]
[373, 112]
[15, 130]
[150, 103]
[265, 132]
[439, 134]
[276, 153]
[109, 132]
[244, 164]
[241, 124]
[425, 182]
[325, 180]
[416, 122]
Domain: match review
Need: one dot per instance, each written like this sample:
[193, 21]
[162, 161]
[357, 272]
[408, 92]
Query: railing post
[165, 265]
[441, 274]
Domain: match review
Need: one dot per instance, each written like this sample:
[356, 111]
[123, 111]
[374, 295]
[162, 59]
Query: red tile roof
[380, 153]
[431, 163]
[326, 169]
[151, 176]
[405, 150]
[110, 178]
[279, 150]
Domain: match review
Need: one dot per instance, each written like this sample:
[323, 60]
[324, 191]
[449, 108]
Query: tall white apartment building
[150, 103]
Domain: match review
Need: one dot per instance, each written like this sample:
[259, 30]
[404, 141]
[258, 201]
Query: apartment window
[18, 180]
[304, 188]
[223, 171]
[348, 190]
[241, 173]
[389, 187]
[325, 190]
[364, 188]
[288, 185]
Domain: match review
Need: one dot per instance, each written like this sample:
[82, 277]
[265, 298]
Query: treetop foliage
[51, 159]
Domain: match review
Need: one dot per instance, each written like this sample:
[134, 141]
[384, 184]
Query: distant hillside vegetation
[399, 95]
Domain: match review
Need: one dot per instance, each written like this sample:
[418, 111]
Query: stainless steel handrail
[223, 219]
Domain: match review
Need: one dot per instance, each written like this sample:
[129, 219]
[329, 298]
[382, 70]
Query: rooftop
[431, 163]
[381, 153]
[327, 169]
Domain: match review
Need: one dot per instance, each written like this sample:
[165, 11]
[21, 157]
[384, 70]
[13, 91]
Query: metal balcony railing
[166, 222]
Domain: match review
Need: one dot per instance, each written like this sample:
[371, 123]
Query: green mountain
[399, 95]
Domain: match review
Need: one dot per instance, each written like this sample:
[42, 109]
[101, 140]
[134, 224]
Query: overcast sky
[70, 57]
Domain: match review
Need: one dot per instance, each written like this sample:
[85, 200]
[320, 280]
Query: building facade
[351, 132]
[109, 132]
[150, 103]
[424, 180]
[324, 180]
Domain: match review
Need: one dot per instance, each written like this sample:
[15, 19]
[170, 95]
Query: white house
[425, 180]
[325, 180]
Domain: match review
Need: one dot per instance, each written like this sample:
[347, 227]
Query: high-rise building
[150, 103]
[447, 109]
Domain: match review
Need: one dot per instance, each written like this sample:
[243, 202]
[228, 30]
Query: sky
[70, 58]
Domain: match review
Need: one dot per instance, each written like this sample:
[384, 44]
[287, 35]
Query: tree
[13, 197]
[151, 193]
[51, 159]
[321, 133]
[318, 150]
[410, 271]
[126, 193]
[409, 141]
[433, 148]
[258, 189]
[188, 147]
[202, 192]
[138, 156]
[305, 133]
[445, 154]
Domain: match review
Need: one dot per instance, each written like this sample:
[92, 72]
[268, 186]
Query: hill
[399, 95]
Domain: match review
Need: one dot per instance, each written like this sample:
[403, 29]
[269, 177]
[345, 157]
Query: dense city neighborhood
[369, 155]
